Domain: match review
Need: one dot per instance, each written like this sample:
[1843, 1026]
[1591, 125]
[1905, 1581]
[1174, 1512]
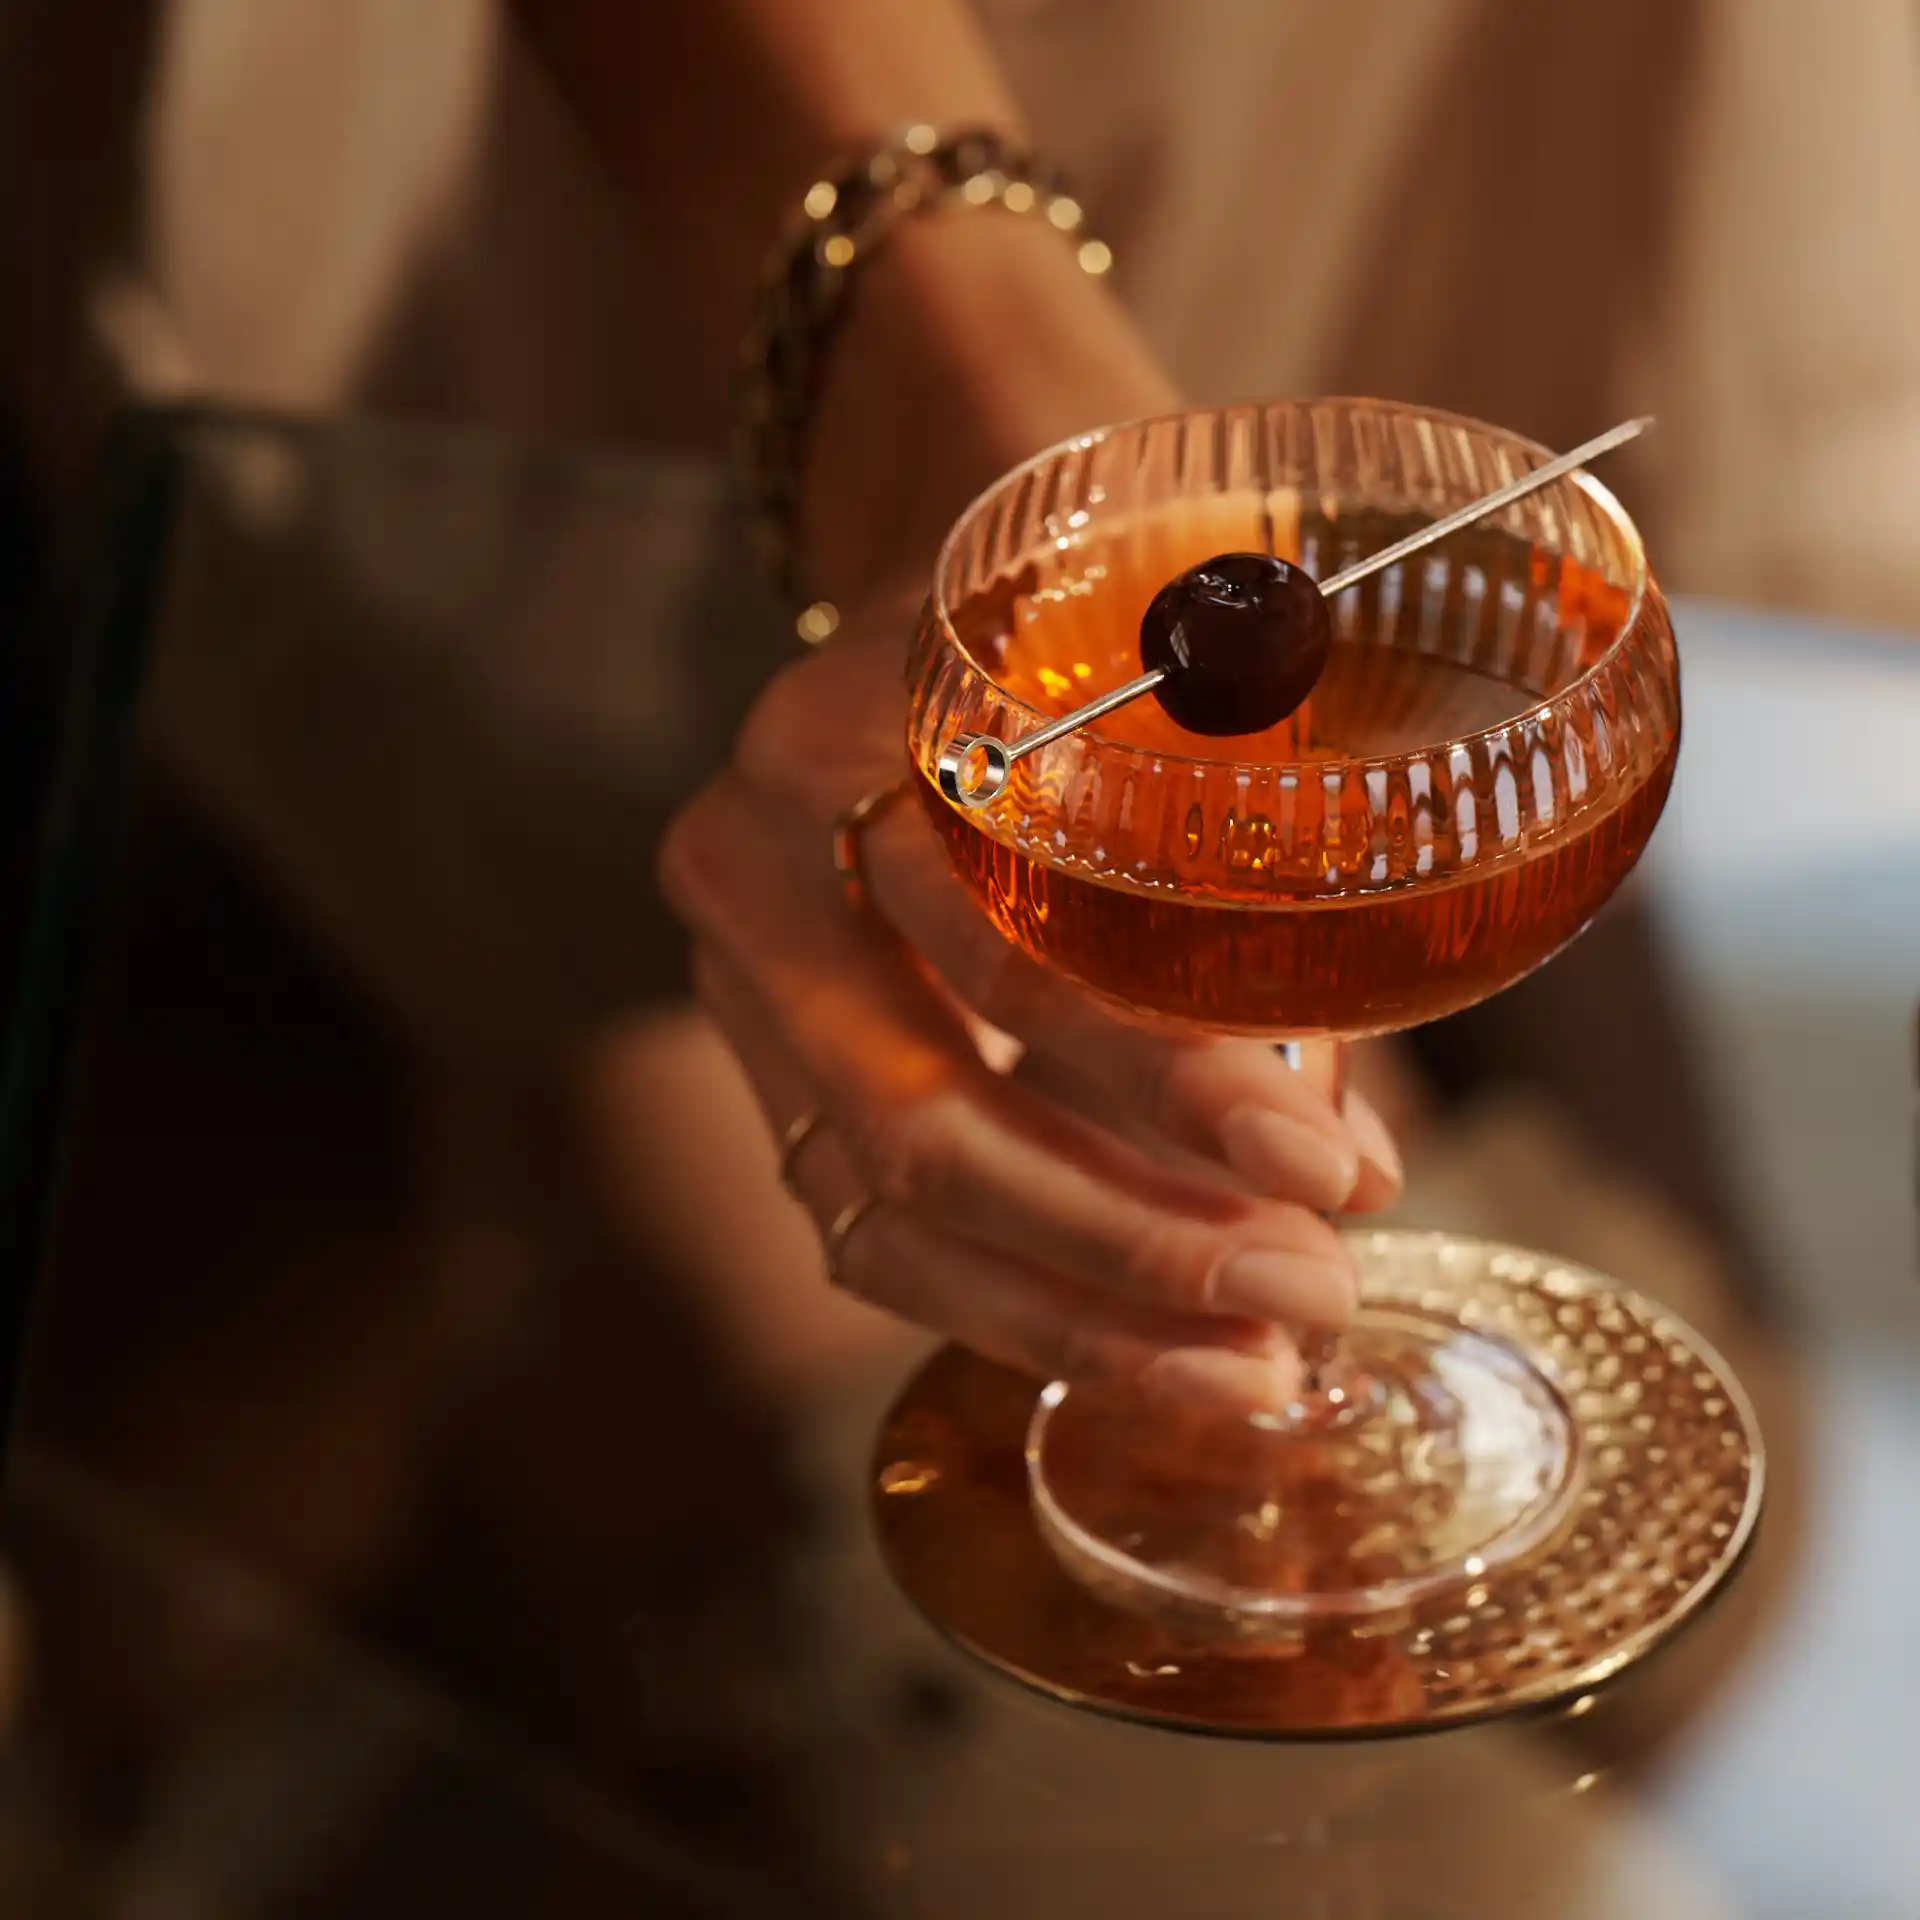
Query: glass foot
[1443, 1455]
[1534, 1478]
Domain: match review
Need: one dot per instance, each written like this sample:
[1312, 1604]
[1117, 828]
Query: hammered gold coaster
[1671, 1471]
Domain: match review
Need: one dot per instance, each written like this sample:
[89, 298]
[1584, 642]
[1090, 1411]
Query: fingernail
[1371, 1136]
[1288, 1157]
[1215, 1377]
[1287, 1287]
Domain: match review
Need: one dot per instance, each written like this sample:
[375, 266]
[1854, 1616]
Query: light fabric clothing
[1549, 216]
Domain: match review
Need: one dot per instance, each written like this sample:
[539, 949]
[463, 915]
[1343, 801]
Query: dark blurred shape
[337, 1364]
[66, 713]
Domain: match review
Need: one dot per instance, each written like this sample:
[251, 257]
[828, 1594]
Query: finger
[1017, 1313]
[1237, 1101]
[1009, 1310]
[936, 1134]
[1380, 1176]
[1054, 1080]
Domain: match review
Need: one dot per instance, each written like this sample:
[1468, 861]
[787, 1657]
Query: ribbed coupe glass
[1478, 769]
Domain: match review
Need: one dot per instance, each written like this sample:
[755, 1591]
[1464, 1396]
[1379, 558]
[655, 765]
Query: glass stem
[1331, 1396]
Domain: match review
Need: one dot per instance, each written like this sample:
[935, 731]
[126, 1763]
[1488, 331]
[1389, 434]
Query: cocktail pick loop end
[974, 770]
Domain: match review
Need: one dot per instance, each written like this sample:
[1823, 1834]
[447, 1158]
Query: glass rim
[1602, 496]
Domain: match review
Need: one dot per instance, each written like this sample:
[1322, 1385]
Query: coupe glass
[1479, 768]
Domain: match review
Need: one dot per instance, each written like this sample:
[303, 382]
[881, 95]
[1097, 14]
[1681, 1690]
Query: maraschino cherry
[1241, 638]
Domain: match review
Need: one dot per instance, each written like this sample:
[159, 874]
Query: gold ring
[847, 829]
[796, 1136]
[834, 1242]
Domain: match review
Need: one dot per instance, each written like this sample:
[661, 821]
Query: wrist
[969, 343]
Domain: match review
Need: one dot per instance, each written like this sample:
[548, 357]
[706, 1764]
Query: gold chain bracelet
[842, 217]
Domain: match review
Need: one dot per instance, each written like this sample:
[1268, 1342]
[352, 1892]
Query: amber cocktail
[1470, 780]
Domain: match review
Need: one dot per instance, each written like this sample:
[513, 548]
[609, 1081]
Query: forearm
[974, 341]
[711, 116]
[969, 340]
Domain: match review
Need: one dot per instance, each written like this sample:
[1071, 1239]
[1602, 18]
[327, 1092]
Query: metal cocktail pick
[996, 757]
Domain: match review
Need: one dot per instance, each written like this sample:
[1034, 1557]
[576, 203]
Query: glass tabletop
[438, 1480]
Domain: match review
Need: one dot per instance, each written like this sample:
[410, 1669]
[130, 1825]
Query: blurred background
[437, 1469]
